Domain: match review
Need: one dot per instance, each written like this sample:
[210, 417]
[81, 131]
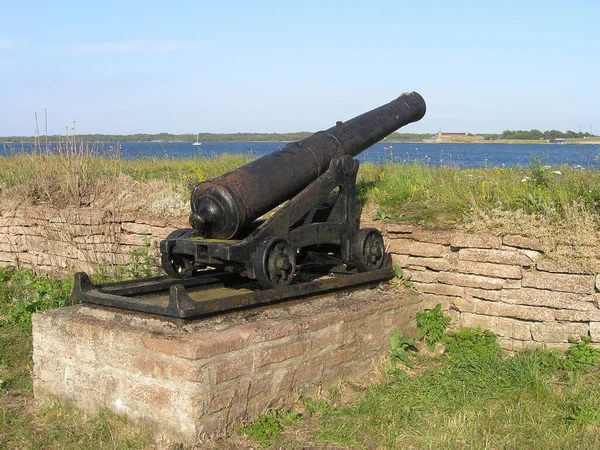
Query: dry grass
[571, 239]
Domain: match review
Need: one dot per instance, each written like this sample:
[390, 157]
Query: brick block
[463, 240]
[571, 315]
[280, 353]
[306, 372]
[515, 329]
[430, 300]
[233, 368]
[558, 332]
[489, 269]
[486, 294]
[433, 236]
[255, 332]
[550, 299]
[578, 284]
[415, 248]
[221, 400]
[400, 260]
[469, 320]
[595, 331]
[343, 356]
[515, 345]
[198, 346]
[525, 242]
[499, 309]
[399, 228]
[421, 276]
[153, 396]
[547, 265]
[440, 289]
[509, 328]
[511, 257]
[439, 264]
[468, 280]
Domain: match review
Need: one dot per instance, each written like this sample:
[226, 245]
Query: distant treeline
[202, 137]
[278, 137]
[537, 134]
[167, 137]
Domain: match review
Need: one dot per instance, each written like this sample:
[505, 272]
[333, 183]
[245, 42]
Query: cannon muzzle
[225, 205]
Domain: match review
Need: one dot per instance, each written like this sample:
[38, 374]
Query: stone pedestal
[208, 376]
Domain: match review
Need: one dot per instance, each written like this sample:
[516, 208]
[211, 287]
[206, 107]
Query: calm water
[461, 155]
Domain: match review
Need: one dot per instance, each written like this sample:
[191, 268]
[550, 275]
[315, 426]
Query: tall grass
[77, 174]
[447, 195]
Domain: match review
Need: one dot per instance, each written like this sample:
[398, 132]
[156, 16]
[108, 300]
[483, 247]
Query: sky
[277, 66]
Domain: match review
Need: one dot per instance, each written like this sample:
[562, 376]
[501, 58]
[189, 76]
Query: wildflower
[524, 180]
[557, 172]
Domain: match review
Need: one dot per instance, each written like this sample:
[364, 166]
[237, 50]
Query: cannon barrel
[223, 206]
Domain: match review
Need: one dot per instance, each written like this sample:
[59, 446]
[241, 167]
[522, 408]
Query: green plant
[469, 345]
[431, 325]
[269, 426]
[581, 355]
[23, 293]
[401, 279]
[142, 264]
[400, 346]
[315, 407]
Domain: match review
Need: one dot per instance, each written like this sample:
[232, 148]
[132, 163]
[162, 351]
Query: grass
[472, 396]
[485, 400]
[448, 195]
[407, 192]
[24, 423]
[76, 177]
[507, 403]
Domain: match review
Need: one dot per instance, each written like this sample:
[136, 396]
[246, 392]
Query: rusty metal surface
[183, 300]
[221, 207]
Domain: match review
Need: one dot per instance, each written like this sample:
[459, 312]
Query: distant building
[557, 141]
[441, 136]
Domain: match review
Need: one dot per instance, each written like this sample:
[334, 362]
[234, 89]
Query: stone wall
[504, 284]
[209, 376]
[501, 283]
[61, 242]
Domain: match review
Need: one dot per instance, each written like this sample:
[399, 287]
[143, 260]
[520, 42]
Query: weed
[142, 264]
[23, 293]
[334, 393]
[315, 407]
[269, 426]
[399, 353]
[431, 325]
[401, 279]
[471, 344]
[581, 355]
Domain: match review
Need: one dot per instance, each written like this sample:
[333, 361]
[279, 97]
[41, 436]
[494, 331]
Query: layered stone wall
[211, 375]
[61, 242]
[504, 284]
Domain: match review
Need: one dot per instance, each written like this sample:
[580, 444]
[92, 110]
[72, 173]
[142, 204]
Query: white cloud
[128, 47]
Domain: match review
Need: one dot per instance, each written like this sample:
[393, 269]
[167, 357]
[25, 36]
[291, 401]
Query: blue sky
[231, 66]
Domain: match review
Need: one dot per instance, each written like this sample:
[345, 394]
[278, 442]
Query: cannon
[255, 229]
[227, 231]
